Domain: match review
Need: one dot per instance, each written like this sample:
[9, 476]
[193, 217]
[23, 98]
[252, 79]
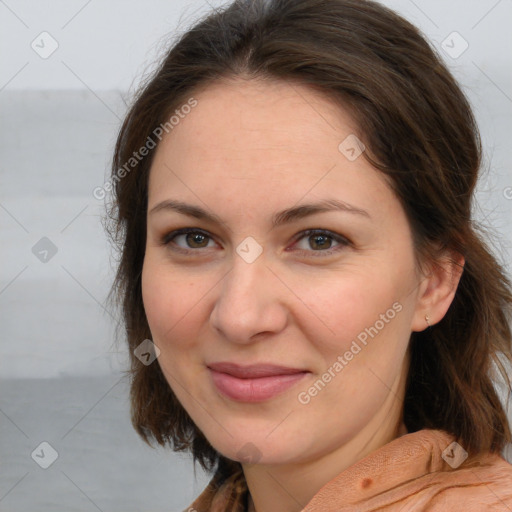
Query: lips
[253, 371]
[253, 383]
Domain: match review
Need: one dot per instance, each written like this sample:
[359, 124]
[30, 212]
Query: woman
[293, 194]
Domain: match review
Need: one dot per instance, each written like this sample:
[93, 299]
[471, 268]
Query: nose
[250, 302]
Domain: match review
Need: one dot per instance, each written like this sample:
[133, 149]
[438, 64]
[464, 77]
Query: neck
[289, 487]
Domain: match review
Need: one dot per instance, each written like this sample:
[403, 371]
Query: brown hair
[418, 129]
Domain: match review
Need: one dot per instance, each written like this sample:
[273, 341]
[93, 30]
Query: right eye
[193, 239]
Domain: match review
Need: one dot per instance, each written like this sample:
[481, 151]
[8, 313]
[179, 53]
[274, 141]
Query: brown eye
[195, 239]
[316, 242]
[187, 240]
[320, 241]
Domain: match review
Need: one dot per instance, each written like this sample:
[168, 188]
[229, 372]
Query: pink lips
[254, 383]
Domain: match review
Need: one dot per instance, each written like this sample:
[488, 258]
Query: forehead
[238, 115]
[252, 142]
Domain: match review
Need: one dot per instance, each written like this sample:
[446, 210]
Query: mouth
[253, 383]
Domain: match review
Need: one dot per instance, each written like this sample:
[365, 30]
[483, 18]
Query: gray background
[60, 368]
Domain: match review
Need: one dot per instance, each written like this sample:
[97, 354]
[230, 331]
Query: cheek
[152, 297]
[364, 353]
[369, 317]
[347, 305]
[170, 301]
[166, 298]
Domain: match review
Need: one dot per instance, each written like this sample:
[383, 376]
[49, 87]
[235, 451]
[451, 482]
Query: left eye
[321, 241]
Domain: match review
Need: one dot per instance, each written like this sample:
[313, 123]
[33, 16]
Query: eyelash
[167, 239]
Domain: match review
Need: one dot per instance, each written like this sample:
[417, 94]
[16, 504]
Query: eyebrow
[283, 217]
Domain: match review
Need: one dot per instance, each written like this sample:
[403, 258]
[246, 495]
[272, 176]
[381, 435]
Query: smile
[255, 383]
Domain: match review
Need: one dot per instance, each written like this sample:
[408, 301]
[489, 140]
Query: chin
[254, 447]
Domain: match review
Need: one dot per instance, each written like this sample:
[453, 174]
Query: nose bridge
[248, 268]
[247, 302]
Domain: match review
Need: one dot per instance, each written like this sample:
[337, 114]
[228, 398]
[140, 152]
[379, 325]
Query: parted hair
[418, 129]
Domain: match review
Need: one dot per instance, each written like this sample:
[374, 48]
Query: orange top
[420, 472]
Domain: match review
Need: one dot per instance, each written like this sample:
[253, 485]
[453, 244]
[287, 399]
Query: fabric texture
[424, 471]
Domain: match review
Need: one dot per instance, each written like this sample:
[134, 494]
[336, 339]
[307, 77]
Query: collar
[411, 472]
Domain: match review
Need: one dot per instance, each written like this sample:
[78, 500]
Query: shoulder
[484, 483]
[422, 471]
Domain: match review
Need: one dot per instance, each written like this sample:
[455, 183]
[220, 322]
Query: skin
[247, 150]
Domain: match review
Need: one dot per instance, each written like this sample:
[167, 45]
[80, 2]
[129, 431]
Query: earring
[427, 319]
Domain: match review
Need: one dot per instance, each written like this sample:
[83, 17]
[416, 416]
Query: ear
[437, 290]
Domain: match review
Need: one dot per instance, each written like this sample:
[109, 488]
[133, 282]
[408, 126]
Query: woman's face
[281, 345]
